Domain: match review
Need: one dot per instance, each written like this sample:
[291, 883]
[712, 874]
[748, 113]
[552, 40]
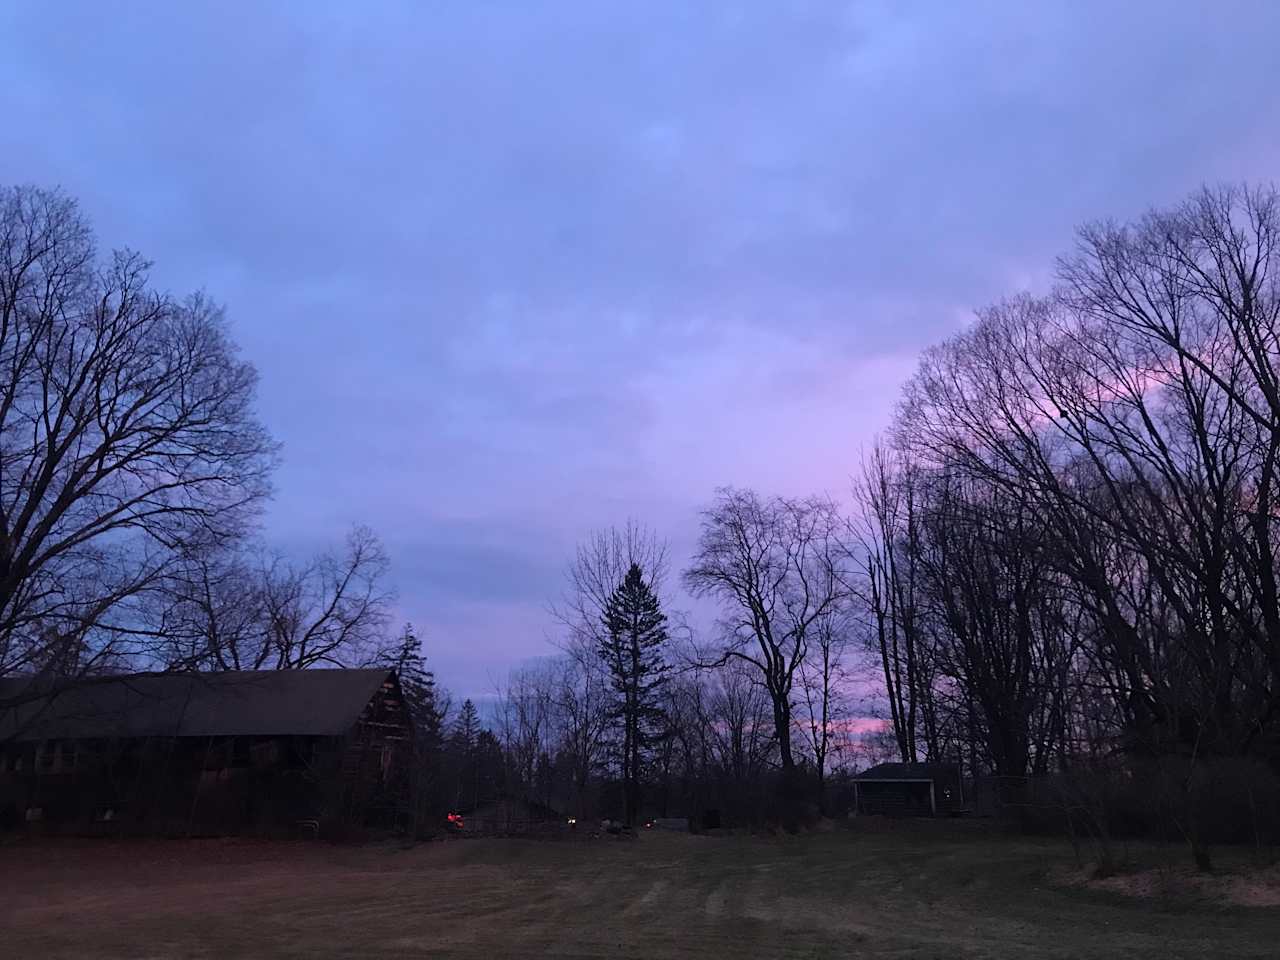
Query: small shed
[909, 789]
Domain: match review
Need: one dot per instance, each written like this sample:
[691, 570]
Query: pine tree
[466, 729]
[464, 744]
[635, 633]
[418, 686]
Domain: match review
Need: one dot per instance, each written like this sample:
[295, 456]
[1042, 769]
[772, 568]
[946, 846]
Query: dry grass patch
[927, 890]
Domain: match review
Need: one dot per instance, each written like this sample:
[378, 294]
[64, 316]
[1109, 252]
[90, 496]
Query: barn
[271, 752]
[909, 789]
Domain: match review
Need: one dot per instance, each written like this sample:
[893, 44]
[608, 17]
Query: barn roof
[910, 771]
[233, 703]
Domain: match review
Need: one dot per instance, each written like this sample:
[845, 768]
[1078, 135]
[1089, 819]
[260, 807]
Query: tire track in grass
[714, 904]
[647, 900]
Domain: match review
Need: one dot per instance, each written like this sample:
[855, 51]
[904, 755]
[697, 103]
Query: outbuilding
[232, 752]
[909, 789]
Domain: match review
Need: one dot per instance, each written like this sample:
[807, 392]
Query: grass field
[926, 890]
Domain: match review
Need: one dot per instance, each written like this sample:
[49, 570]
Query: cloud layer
[512, 271]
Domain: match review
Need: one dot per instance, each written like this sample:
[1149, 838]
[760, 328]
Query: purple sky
[514, 271]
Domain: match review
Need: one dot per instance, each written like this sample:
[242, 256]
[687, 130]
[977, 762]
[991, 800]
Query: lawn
[912, 890]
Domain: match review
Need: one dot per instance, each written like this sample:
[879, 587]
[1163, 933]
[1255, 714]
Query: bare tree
[600, 564]
[738, 716]
[1003, 636]
[822, 681]
[581, 706]
[1134, 413]
[208, 612]
[126, 435]
[525, 718]
[777, 566]
[886, 535]
[332, 609]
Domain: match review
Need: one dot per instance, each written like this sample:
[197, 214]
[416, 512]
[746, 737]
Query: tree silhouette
[632, 648]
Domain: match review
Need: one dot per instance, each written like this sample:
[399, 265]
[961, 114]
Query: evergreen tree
[635, 633]
[464, 745]
[418, 685]
[466, 729]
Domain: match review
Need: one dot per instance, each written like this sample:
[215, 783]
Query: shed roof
[233, 703]
[910, 771]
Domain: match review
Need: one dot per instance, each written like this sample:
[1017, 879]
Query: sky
[513, 272]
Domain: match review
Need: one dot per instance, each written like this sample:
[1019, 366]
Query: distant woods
[1056, 568]
[638, 717]
[1067, 538]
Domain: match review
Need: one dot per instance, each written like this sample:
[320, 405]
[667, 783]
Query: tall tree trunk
[782, 727]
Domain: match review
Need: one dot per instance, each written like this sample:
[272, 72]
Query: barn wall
[371, 782]
[187, 785]
[214, 785]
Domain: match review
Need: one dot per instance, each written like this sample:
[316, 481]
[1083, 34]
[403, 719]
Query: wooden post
[933, 800]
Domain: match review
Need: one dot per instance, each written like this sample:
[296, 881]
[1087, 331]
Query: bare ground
[922, 891]
[1179, 883]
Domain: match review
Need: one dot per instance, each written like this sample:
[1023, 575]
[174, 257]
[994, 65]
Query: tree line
[1068, 533]
[1056, 567]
